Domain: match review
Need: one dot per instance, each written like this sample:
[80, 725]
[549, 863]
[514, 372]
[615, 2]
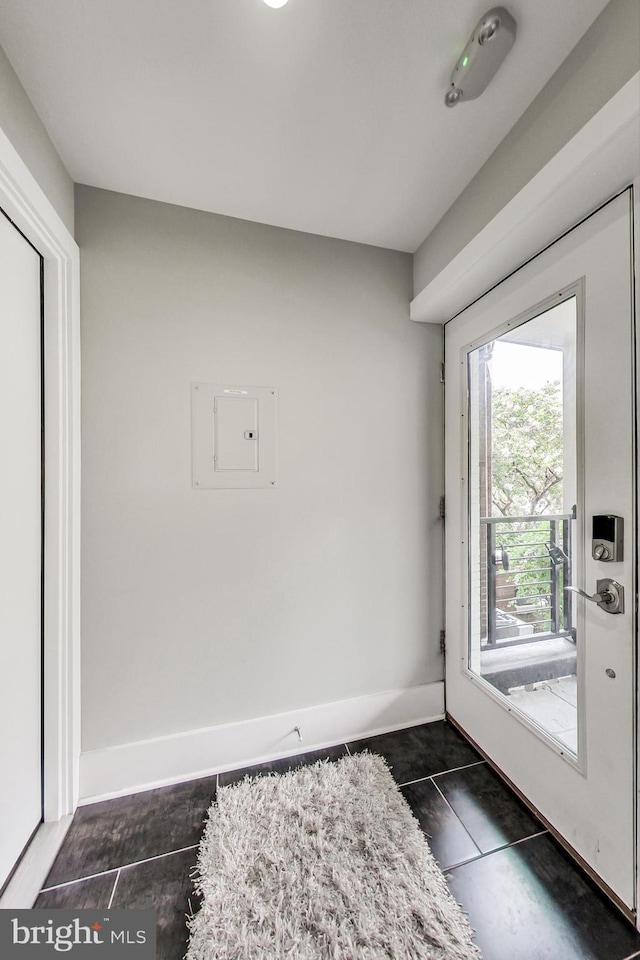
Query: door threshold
[584, 866]
[28, 878]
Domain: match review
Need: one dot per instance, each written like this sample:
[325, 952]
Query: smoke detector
[490, 42]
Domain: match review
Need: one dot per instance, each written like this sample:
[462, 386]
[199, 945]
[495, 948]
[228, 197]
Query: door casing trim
[635, 293]
[26, 205]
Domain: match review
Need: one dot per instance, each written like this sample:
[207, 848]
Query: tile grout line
[442, 773]
[476, 763]
[115, 884]
[251, 770]
[132, 863]
[457, 818]
[505, 846]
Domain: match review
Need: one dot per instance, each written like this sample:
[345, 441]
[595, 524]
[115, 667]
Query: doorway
[541, 667]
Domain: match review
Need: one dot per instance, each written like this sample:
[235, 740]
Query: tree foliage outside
[526, 480]
[527, 450]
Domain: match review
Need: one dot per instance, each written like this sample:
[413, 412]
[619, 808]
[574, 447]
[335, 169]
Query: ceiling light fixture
[276, 4]
[490, 42]
[489, 28]
[452, 96]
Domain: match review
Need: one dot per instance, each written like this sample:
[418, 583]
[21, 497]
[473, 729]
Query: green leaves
[527, 450]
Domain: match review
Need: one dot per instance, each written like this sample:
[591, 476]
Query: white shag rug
[324, 863]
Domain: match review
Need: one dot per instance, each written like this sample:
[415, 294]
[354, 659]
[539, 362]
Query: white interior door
[539, 442]
[20, 545]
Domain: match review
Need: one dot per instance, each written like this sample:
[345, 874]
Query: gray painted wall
[205, 607]
[606, 57]
[25, 130]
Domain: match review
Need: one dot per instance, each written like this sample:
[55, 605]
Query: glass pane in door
[523, 478]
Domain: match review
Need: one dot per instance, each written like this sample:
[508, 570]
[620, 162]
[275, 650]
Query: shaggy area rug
[324, 863]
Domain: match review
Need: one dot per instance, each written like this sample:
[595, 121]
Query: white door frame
[24, 202]
[636, 383]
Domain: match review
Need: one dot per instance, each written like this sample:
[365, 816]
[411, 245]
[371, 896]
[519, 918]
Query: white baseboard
[31, 873]
[144, 764]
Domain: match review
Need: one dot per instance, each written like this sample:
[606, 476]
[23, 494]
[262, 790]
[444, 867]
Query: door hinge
[442, 513]
[443, 641]
[442, 372]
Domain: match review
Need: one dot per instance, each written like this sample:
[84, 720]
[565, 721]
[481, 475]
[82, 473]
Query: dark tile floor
[525, 898]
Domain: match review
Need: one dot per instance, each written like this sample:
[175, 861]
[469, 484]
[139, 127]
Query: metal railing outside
[527, 563]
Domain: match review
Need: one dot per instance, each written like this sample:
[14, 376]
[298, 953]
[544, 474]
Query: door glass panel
[523, 478]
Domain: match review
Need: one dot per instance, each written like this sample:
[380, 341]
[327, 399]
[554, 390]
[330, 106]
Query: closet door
[21, 516]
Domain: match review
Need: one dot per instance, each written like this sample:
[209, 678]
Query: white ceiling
[325, 116]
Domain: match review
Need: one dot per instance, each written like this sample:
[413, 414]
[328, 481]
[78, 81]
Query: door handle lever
[610, 595]
[595, 598]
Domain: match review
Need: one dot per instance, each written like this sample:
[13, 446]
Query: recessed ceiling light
[275, 3]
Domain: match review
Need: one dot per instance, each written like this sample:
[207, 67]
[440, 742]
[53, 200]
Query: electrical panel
[234, 436]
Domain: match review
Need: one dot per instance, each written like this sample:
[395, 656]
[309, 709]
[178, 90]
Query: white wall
[209, 607]
[606, 57]
[25, 130]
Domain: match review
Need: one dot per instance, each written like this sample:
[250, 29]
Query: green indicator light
[465, 61]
